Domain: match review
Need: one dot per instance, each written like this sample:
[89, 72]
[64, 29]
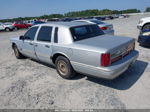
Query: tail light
[105, 60]
[103, 28]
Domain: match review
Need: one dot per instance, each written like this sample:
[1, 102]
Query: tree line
[147, 9]
[84, 13]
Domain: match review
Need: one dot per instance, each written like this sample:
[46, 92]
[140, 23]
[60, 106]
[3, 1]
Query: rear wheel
[17, 53]
[146, 27]
[64, 68]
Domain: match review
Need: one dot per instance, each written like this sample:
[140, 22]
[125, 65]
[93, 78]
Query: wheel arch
[13, 45]
[145, 24]
[7, 28]
[55, 55]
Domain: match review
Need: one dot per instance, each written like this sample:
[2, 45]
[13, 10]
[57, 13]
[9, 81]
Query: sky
[27, 8]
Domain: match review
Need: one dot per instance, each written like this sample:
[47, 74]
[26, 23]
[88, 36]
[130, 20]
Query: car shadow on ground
[77, 77]
[123, 82]
[126, 80]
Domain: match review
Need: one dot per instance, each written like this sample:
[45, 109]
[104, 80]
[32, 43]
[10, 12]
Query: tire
[64, 68]
[15, 28]
[7, 29]
[146, 27]
[17, 53]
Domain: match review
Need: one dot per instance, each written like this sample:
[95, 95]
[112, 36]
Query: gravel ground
[30, 84]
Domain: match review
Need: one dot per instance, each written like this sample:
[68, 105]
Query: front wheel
[17, 53]
[64, 68]
[7, 29]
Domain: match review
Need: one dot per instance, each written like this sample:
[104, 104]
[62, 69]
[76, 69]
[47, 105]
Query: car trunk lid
[117, 46]
[107, 42]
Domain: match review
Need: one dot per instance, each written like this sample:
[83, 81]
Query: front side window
[45, 34]
[84, 32]
[30, 34]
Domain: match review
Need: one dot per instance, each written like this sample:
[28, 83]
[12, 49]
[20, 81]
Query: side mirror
[21, 37]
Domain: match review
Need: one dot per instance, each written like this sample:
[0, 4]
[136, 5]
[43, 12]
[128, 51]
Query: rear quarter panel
[85, 57]
[83, 60]
[78, 55]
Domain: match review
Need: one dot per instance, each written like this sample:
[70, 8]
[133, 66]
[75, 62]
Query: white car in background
[144, 24]
[105, 27]
[6, 27]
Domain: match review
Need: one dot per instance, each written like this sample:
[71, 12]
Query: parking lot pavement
[30, 84]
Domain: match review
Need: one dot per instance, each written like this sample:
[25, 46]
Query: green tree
[130, 11]
[147, 9]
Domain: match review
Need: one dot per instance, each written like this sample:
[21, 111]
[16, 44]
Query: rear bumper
[111, 72]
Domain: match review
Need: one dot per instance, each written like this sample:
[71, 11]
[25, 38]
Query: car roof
[65, 24]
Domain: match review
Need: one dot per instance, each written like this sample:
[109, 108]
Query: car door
[22, 25]
[43, 46]
[28, 42]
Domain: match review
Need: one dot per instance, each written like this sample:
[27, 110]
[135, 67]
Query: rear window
[85, 32]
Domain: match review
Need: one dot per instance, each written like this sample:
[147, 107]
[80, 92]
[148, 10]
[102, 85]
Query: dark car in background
[144, 38]
[54, 19]
[109, 17]
[101, 18]
[37, 22]
[67, 19]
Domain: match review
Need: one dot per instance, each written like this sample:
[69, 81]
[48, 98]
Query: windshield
[84, 32]
[97, 22]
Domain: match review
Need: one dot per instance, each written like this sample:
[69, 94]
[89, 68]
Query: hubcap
[7, 29]
[62, 67]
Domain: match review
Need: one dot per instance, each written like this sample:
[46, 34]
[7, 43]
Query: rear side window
[45, 34]
[80, 31]
[30, 34]
[56, 35]
[84, 32]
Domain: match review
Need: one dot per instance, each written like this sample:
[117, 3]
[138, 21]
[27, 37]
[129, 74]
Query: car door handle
[36, 45]
[47, 46]
[31, 43]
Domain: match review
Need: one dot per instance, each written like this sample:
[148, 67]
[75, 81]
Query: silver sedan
[105, 27]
